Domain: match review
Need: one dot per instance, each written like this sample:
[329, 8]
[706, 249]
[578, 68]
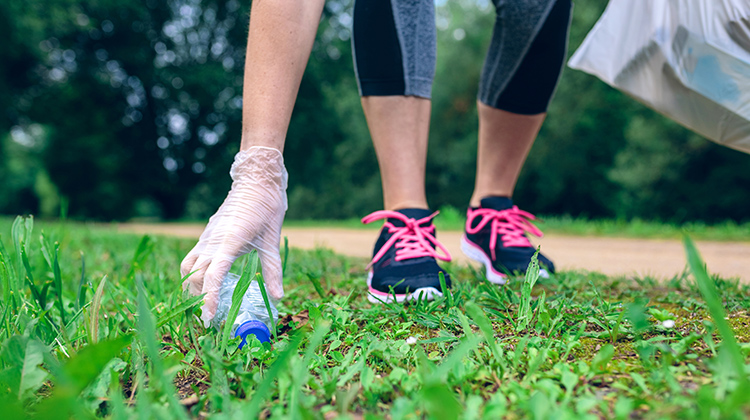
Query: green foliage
[247, 277]
[530, 279]
[132, 109]
[716, 309]
[77, 374]
[577, 345]
[22, 375]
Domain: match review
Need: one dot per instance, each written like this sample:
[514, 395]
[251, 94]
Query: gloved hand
[250, 218]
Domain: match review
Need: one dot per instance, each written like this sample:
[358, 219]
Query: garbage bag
[687, 59]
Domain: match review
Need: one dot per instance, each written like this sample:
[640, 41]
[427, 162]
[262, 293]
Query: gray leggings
[394, 44]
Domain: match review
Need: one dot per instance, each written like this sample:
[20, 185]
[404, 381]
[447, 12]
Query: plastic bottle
[253, 315]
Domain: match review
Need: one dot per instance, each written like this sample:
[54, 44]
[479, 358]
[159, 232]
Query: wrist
[263, 138]
[260, 164]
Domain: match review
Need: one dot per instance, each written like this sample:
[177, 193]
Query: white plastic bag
[688, 59]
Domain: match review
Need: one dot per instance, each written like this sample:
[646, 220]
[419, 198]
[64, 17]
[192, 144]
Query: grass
[94, 324]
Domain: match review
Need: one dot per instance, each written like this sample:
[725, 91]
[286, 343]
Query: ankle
[395, 205]
[476, 198]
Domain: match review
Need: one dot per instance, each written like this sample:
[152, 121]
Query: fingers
[272, 274]
[194, 283]
[187, 264]
[186, 267]
[212, 281]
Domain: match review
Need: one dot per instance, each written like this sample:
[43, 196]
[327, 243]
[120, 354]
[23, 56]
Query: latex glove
[249, 219]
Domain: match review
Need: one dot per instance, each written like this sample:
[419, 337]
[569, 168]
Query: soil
[657, 258]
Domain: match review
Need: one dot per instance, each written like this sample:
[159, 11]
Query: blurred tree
[21, 141]
[137, 96]
[134, 109]
[332, 167]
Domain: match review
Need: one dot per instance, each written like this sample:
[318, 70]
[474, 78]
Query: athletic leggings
[394, 44]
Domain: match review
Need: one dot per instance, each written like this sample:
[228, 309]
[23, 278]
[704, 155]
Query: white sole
[493, 276]
[376, 296]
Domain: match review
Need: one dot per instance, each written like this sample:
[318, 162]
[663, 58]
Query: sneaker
[404, 260]
[496, 237]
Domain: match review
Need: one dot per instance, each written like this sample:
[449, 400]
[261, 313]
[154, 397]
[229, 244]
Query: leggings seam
[354, 57]
[525, 50]
[399, 35]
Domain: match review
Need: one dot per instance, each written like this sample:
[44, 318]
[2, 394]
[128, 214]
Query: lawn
[95, 324]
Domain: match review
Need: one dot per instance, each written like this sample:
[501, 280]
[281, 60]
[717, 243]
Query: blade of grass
[300, 378]
[96, 304]
[262, 391]
[53, 261]
[286, 255]
[38, 296]
[445, 289]
[57, 273]
[81, 295]
[247, 277]
[315, 280]
[454, 358]
[76, 316]
[145, 248]
[5, 274]
[147, 338]
[524, 309]
[708, 290]
[262, 288]
[478, 316]
[20, 231]
[179, 310]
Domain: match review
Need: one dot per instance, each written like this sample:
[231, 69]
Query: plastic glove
[250, 218]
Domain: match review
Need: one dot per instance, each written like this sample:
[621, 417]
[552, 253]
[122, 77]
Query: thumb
[271, 269]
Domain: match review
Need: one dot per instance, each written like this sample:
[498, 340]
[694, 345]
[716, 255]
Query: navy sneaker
[403, 262]
[496, 237]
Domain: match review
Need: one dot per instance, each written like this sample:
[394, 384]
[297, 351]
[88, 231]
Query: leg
[394, 47]
[394, 44]
[505, 139]
[513, 99]
[280, 39]
[399, 126]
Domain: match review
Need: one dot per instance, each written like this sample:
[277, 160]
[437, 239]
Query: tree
[132, 109]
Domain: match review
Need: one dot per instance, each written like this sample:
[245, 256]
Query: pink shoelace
[510, 224]
[411, 240]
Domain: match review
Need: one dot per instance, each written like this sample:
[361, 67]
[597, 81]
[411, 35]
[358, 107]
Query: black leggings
[394, 45]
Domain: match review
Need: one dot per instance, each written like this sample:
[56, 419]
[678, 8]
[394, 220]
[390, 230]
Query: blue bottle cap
[255, 328]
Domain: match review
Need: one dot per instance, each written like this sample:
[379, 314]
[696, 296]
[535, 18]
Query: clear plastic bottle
[253, 315]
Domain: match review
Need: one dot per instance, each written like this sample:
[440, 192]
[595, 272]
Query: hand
[250, 218]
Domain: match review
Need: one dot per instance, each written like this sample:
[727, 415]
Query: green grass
[94, 324]
[453, 219]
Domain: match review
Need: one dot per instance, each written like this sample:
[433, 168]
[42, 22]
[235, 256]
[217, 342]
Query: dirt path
[658, 258]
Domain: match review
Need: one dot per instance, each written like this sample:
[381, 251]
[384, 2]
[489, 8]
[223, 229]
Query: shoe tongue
[415, 214]
[497, 203]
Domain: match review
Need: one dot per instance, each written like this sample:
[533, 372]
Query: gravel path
[659, 258]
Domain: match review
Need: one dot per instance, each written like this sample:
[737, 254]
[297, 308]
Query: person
[280, 39]
[395, 54]
[394, 45]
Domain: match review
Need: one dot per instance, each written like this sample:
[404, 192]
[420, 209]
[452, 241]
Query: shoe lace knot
[510, 225]
[411, 240]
